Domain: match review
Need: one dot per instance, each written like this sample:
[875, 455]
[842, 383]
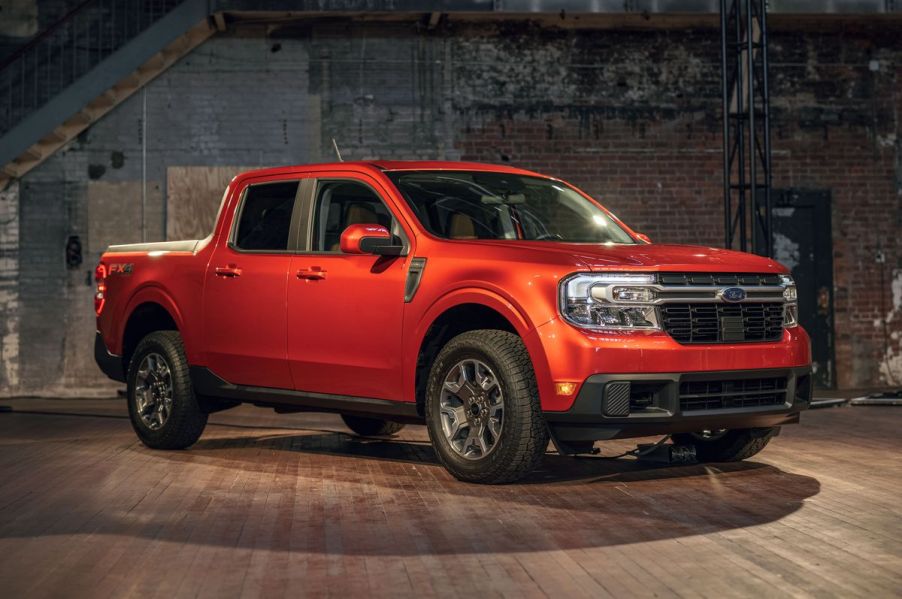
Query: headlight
[791, 297]
[609, 301]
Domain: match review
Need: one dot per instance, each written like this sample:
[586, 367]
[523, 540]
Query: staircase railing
[57, 57]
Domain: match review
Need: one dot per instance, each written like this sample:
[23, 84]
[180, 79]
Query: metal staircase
[85, 64]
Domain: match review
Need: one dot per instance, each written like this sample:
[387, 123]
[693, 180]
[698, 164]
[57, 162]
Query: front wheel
[482, 408]
[161, 402]
[727, 445]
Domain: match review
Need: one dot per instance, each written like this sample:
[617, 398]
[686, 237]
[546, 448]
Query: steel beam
[746, 126]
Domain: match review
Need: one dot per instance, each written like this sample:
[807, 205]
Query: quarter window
[265, 219]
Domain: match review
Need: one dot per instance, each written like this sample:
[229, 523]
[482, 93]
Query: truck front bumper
[611, 406]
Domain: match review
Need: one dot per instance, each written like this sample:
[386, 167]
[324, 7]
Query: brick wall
[631, 116]
[646, 139]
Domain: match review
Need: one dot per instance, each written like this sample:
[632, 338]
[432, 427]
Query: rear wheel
[726, 445]
[371, 427]
[482, 408]
[161, 404]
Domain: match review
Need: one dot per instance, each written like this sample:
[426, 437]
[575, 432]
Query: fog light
[565, 388]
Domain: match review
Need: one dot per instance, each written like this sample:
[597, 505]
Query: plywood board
[114, 213]
[193, 195]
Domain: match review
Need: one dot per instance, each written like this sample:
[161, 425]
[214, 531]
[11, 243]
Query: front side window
[340, 204]
[265, 220]
[488, 205]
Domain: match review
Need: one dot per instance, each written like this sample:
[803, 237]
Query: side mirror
[368, 239]
[643, 237]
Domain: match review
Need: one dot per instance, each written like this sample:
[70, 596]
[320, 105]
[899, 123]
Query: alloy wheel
[153, 391]
[471, 406]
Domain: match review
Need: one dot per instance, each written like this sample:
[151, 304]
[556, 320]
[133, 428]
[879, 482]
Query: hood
[690, 258]
[652, 257]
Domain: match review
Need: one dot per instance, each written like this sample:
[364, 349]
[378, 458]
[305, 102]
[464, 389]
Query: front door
[345, 311]
[246, 286]
[803, 242]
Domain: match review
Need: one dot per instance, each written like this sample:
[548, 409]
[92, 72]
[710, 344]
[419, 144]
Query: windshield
[487, 205]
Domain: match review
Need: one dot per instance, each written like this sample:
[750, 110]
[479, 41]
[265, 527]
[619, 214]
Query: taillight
[100, 274]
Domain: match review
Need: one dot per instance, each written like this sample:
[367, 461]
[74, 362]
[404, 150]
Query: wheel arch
[148, 311]
[462, 311]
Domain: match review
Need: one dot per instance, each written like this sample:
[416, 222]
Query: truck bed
[188, 245]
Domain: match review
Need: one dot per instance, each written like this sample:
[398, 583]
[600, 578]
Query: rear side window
[265, 219]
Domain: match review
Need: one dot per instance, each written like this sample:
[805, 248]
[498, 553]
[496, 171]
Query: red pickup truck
[501, 307]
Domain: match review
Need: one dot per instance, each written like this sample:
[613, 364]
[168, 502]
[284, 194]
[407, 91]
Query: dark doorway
[803, 241]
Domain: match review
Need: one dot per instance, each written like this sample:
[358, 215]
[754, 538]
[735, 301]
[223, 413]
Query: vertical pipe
[144, 163]
[740, 128]
[9, 102]
[727, 195]
[768, 180]
[753, 132]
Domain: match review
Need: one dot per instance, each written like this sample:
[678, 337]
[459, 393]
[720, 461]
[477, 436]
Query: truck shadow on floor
[397, 489]
[554, 469]
[326, 493]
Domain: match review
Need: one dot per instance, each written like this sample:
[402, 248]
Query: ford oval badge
[733, 294]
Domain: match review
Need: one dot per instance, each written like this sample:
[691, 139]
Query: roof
[434, 165]
[388, 165]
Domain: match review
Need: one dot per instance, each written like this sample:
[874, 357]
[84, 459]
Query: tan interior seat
[461, 227]
[358, 214]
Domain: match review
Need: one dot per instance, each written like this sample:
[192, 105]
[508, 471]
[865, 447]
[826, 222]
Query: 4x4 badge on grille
[733, 294]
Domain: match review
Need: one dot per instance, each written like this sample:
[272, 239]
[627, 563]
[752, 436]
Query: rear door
[245, 289]
[345, 311]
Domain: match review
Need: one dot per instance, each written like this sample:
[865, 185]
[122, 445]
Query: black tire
[371, 427]
[523, 436]
[186, 420]
[731, 446]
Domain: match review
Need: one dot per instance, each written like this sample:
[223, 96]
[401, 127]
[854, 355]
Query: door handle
[314, 273]
[228, 271]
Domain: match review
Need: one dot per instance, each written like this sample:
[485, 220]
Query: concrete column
[9, 289]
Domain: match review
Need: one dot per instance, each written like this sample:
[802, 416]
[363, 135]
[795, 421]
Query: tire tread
[186, 421]
[735, 446]
[531, 440]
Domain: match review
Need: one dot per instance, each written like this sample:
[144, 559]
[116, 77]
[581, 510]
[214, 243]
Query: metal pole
[727, 163]
[753, 133]
[768, 180]
[740, 129]
[144, 163]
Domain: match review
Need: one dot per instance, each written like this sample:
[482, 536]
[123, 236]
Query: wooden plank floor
[267, 506]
